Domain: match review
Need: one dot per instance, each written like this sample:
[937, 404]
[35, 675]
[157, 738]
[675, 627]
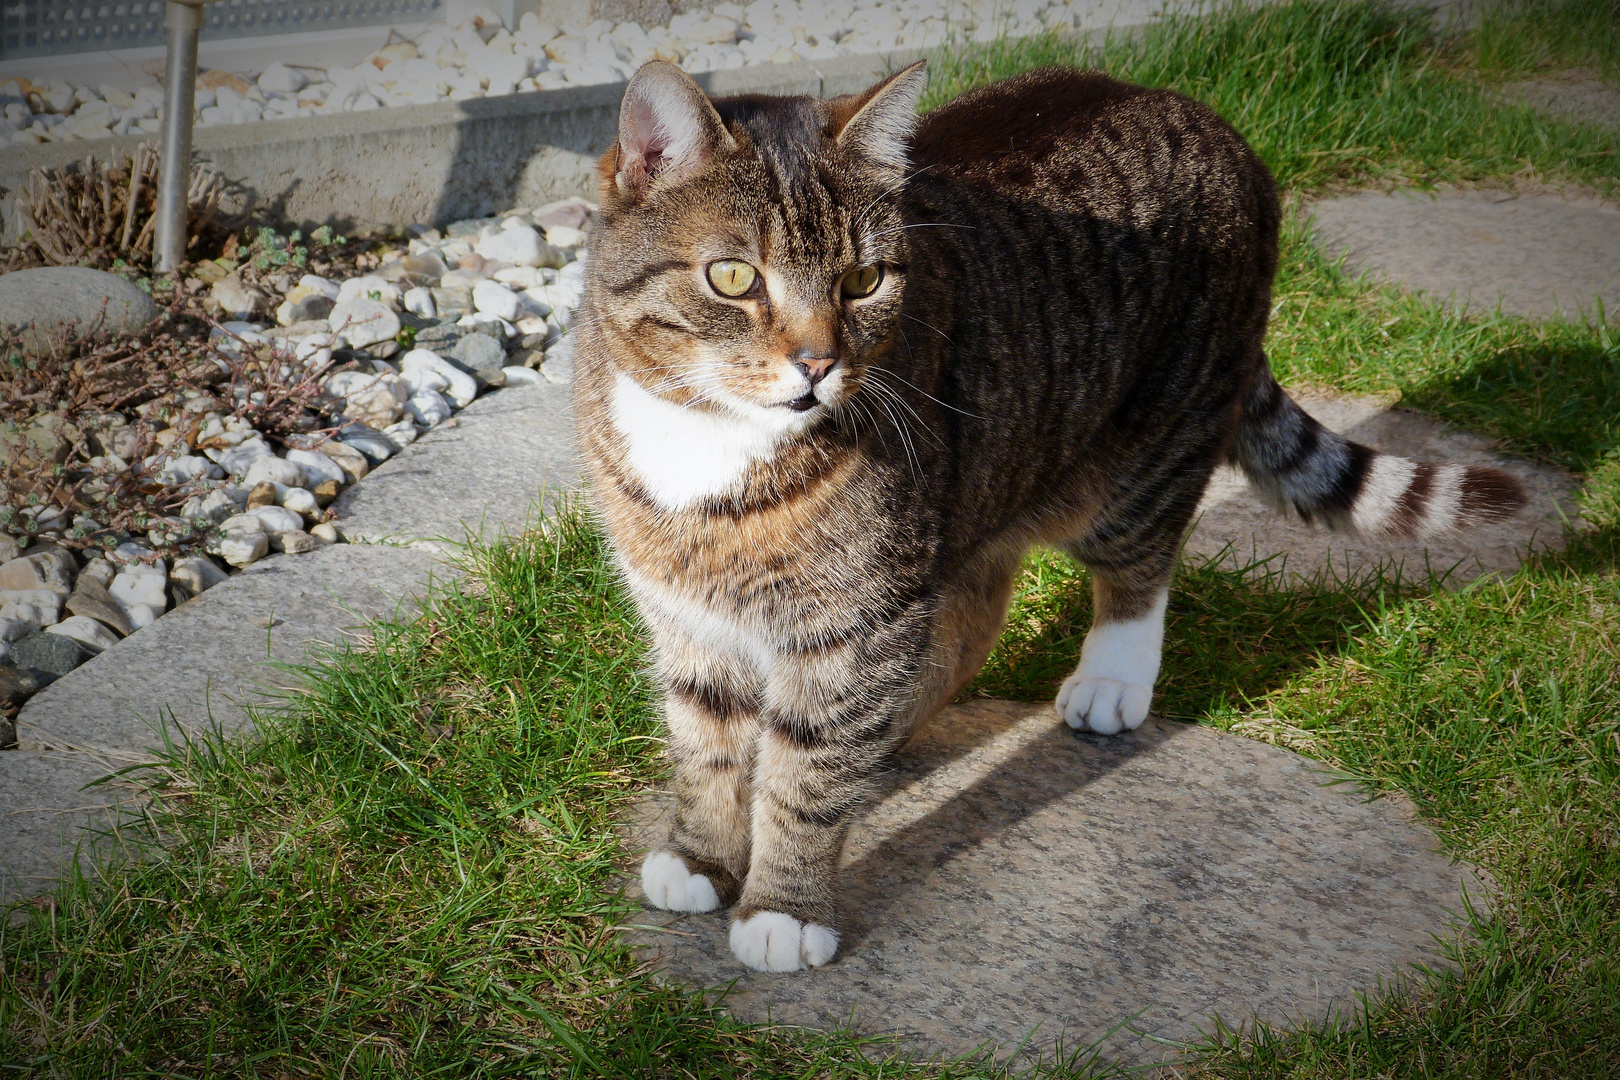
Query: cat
[839, 367]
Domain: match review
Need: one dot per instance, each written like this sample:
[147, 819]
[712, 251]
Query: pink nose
[815, 368]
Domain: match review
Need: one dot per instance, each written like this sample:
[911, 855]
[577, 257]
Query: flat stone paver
[1575, 96]
[1535, 254]
[1019, 880]
[202, 662]
[484, 475]
[1235, 525]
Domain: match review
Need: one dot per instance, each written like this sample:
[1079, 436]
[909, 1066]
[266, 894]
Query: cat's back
[1081, 141]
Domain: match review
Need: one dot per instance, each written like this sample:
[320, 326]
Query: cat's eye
[732, 277]
[861, 281]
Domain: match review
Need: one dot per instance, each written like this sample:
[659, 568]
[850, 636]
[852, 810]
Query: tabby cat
[840, 367]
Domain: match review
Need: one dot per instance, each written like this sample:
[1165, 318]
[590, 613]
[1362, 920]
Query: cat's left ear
[667, 128]
[881, 121]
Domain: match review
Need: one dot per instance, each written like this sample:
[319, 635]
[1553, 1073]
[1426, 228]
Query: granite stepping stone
[1021, 885]
[1535, 254]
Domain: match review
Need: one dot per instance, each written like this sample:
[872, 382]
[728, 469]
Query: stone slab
[1235, 525]
[1569, 95]
[1021, 881]
[50, 814]
[485, 476]
[202, 662]
[1533, 254]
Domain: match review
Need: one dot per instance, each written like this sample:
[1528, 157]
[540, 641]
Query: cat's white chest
[684, 456]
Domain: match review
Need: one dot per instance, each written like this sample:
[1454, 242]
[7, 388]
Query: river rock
[262, 494]
[239, 547]
[91, 635]
[186, 468]
[351, 461]
[428, 408]
[364, 322]
[301, 501]
[372, 287]
[451, 301]
[293, 542]
[148, 585]
[236, 299]
[275, 471]
[98, 570]
[493, 298]
[49, 654]
[196, 573]
[316, 465]
[46, 298]
[277, 519]
[480, 354]
[8, 549]
[237, 460]
[16, 687]
[91, 599]
[12, 629]
[305, 310]
[522, 246]
[376, 446]
[419, 302]
[326, 491]
[39, 570]
[39, 607]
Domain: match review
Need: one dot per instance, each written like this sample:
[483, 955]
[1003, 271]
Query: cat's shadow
[966, 781]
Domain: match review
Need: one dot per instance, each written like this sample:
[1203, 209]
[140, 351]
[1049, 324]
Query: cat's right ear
[667, 129]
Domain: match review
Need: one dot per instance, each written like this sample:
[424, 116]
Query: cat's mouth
[803, 404]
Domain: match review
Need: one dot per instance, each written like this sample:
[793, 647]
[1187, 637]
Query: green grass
[1328, 94]
[1545, 35]
[412, 872]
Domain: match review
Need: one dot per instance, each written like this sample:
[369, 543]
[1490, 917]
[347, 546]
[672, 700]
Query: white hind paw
[671, 886]
[1105, 706]
[771, 941]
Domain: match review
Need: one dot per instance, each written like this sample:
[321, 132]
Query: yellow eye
[862, 281]
[732, 277]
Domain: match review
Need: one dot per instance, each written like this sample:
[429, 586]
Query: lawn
[413, 872]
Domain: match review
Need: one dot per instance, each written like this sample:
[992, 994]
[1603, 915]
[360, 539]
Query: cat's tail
[1298, 465]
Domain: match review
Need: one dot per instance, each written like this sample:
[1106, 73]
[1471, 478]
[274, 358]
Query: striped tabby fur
[819, 500]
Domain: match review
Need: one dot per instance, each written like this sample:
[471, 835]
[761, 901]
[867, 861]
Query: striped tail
[1297, 464]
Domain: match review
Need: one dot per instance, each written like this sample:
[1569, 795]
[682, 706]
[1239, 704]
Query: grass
[411, 873]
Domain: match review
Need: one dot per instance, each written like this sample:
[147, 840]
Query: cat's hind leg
[1112, 687]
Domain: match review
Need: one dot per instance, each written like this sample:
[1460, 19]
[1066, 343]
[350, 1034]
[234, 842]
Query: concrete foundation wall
[431, 163]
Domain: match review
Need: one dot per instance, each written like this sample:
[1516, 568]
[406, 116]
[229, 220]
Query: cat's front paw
[1104, 706]
[772, 941]
[668, 884]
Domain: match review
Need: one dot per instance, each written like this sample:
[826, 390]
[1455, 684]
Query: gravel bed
[482, 58]
[349, 369]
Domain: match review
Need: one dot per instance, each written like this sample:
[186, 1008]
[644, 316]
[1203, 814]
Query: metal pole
[179, 101]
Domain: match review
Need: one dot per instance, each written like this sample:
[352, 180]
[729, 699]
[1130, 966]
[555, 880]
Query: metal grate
[54, 27]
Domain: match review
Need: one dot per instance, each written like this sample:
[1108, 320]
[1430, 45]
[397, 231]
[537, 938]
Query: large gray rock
[1019, 880]
[1533, 254]
[46, 298]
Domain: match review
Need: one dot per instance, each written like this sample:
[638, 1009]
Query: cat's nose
[815, 368]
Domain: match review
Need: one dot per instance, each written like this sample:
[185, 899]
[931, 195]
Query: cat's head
[750, 254]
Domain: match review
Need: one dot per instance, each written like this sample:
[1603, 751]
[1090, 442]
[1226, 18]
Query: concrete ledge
[432, 163]
[208, 660]
[480, 478]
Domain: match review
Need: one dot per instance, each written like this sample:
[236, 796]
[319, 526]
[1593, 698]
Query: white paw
[1112, 688]
[671, 886]
[771, 941]
[1105, 706]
